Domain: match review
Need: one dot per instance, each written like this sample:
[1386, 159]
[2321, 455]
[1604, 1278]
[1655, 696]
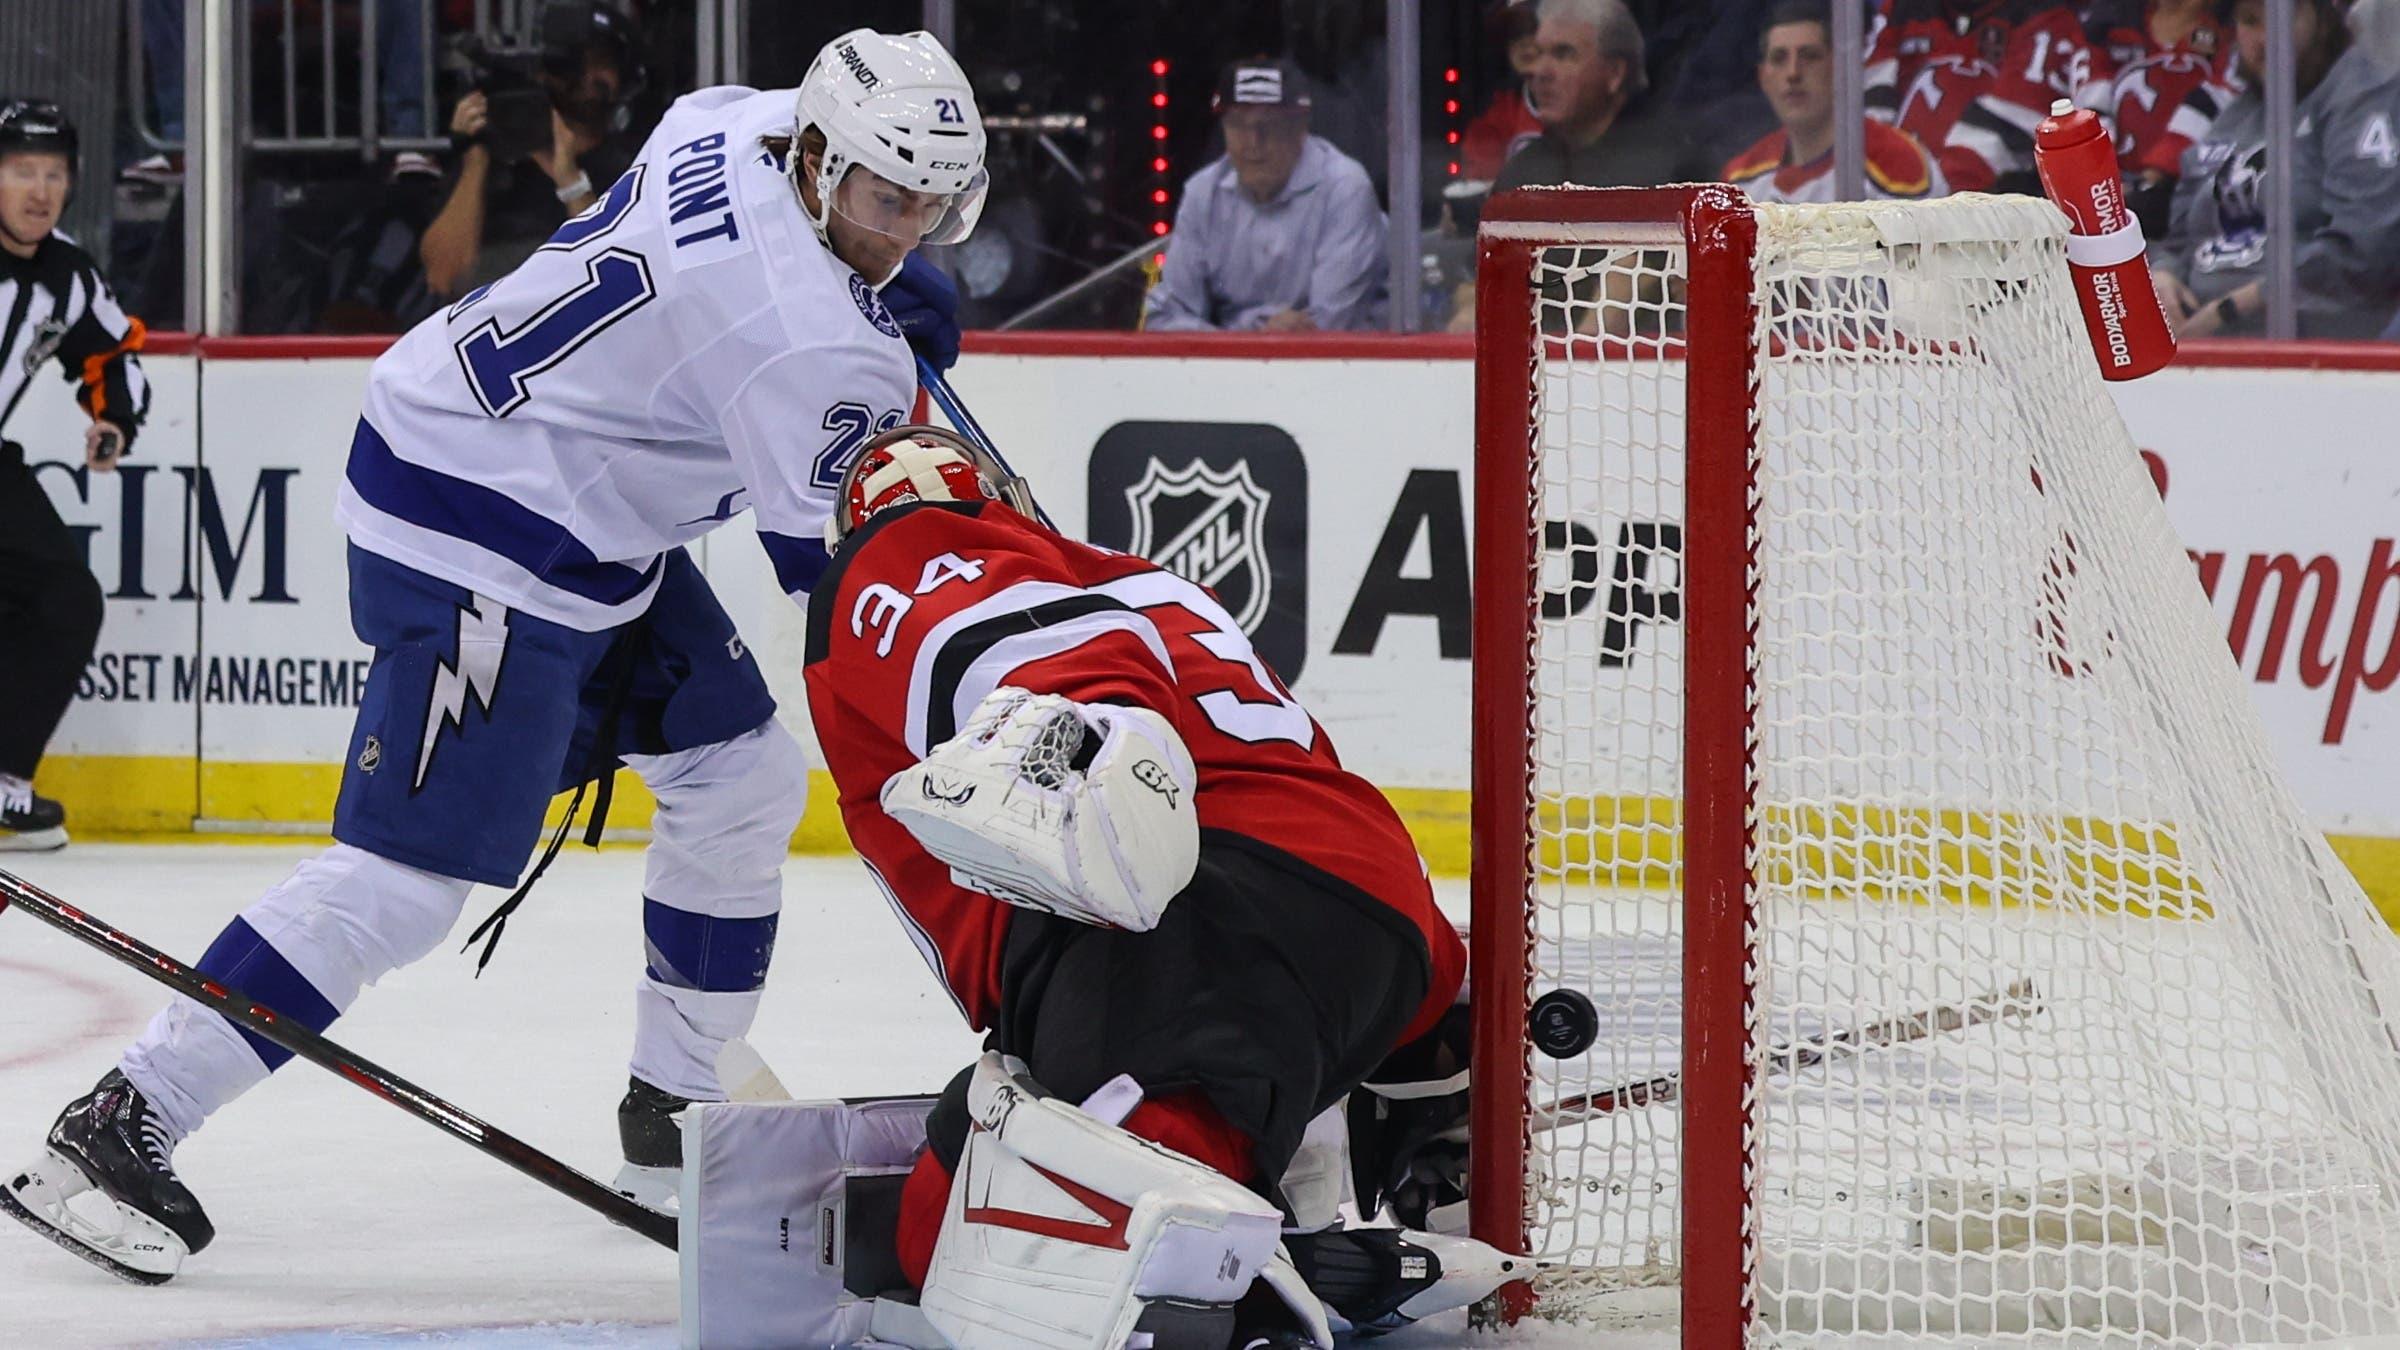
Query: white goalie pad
[1083, 810]
[784, 1228]
[1065, 1232]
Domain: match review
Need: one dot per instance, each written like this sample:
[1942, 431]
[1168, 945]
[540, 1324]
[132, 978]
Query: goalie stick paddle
[2019, 999]
[317, 1050]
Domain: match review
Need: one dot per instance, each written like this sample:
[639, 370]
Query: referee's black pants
[50, 608]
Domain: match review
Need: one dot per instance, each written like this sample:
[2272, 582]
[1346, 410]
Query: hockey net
[1853, 734]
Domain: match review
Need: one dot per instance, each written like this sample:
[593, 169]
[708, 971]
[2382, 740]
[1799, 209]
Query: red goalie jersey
[1971, 79]
[930, 607]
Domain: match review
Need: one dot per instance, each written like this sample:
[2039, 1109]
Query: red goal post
[1851, 732]
[1713, 223]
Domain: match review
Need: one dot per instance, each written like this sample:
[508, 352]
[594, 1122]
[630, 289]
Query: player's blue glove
[924, 302]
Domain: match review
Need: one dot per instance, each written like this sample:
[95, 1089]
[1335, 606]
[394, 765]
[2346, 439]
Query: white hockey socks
[1066, 1232]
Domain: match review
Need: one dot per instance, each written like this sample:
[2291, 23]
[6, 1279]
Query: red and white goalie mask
[920, 464]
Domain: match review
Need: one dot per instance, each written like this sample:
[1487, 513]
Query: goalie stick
[2019, 999]
[317, 1050]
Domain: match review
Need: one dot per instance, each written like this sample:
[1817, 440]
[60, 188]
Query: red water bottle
[2121, 309]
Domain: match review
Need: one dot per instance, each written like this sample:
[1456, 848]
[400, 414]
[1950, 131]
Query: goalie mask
[903, 143]
[920, 463]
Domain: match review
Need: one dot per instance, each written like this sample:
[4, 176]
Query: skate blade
[34, 841]
[659, 1189]
[34, 1201]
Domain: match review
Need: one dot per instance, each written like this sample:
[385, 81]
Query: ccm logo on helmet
[858, 65]
[937, 165]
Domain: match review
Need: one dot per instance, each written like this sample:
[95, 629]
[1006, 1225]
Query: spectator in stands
[513, 184]
[1281, 234]
[1970, 79]
[1704, 67]
[1507, 122]
[1586, 86]
[399, 78]
[2173, 64]
[1587, 78]
[1794, 163]
[2211, 267]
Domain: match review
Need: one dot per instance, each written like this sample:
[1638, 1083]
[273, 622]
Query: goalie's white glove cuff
[1085, 811]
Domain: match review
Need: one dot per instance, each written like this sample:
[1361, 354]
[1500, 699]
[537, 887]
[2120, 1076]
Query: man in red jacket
[1135, 861]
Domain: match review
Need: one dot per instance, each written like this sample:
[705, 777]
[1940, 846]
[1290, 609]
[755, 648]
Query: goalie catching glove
[1083, 810]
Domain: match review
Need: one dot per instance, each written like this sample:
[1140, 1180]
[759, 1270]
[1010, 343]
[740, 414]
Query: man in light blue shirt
[1283, 233]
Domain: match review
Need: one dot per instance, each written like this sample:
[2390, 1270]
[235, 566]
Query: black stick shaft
[2017, 999]
[326, 1055]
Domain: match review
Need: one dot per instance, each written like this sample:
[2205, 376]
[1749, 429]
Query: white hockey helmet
[898, 106]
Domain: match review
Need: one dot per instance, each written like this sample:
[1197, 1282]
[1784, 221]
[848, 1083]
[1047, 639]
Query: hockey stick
[2019, 999]
[947, 399]
[323, 1053]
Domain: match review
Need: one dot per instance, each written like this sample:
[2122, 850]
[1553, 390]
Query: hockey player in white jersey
[720, 333]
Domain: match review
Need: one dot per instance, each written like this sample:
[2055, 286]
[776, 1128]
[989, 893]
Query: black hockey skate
[31, 824]
[649, 1128]
[106, 1190]
[1374, 1280]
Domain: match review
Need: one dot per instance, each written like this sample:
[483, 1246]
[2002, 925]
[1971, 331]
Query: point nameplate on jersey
[703, 210]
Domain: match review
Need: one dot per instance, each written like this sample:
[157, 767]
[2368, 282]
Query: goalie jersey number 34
[928, 608]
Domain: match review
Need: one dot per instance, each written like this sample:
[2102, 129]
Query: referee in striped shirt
[54, 306]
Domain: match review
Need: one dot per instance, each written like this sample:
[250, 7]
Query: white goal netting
[2068, 1028]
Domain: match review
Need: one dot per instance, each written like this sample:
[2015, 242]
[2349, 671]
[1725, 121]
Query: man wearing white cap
[1281, 234]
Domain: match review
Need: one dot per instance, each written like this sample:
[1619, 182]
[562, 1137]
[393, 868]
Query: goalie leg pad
[784, 1232]
[1080, 810]
[1065, 1232]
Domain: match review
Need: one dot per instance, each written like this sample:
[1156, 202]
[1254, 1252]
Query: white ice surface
[342, 1221]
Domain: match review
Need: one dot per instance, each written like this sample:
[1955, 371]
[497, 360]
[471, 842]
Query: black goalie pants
[50, 608]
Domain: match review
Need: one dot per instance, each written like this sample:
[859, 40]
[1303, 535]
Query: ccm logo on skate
[1153, 775]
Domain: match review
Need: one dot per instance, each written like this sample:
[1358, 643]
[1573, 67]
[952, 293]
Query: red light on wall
[1451, 107]
[1453, 138]
[1454, 168]
[1450, 75]
[1160, 189]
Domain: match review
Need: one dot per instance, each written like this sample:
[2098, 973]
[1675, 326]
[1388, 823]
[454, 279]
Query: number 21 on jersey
[500, 361]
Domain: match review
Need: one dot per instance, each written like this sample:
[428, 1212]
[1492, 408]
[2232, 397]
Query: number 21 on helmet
[903, 141]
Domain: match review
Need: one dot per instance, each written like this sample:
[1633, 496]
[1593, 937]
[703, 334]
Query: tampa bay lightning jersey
[683, 351]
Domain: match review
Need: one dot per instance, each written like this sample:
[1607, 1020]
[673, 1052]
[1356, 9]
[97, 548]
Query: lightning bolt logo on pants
[482, 641]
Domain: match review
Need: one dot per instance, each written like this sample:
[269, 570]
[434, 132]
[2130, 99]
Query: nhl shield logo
[1207, 525]
[1224, 504]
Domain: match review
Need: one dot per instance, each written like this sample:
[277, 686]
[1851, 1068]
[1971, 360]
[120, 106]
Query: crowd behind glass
[1181, 167]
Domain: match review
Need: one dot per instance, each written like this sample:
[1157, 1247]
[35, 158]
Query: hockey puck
[1563, 1023]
